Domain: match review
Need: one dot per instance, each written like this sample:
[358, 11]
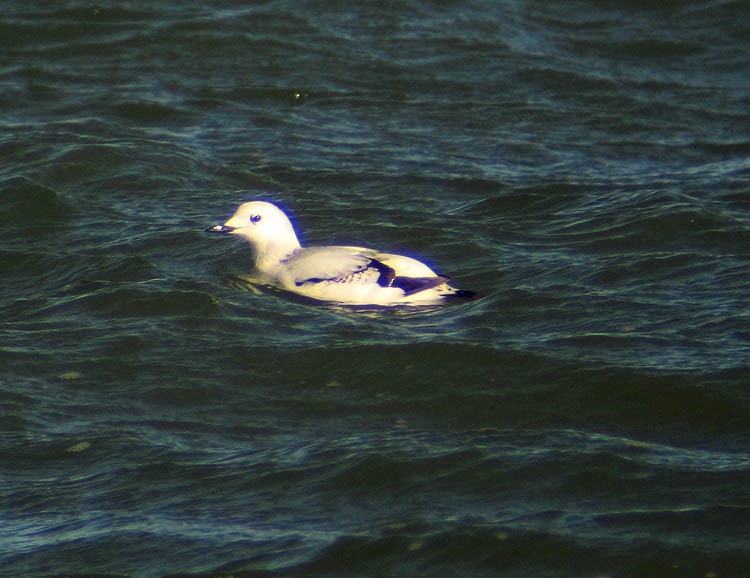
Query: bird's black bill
[220, 229]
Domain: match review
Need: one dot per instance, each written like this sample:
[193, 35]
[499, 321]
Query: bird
[336, 273]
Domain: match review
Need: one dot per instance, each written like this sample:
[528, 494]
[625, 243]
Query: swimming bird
[340, 274]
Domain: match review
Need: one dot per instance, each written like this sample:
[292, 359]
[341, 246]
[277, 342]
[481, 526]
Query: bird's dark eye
[254, 218]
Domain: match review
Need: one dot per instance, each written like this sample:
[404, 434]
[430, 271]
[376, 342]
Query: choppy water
[585, 166]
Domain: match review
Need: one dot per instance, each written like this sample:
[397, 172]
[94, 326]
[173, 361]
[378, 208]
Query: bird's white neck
[272, 253]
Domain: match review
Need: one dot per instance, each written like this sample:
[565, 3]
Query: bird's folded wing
[316, 264]
[412, 285]
[359, 266]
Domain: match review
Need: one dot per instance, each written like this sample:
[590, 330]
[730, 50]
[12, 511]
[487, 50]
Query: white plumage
[341, 274]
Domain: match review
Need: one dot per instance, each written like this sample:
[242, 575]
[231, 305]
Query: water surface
[584, 166]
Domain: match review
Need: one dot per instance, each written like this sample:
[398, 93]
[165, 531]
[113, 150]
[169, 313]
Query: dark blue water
[585, 166]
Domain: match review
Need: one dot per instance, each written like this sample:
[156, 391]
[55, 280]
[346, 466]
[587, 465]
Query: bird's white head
[265, 227]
